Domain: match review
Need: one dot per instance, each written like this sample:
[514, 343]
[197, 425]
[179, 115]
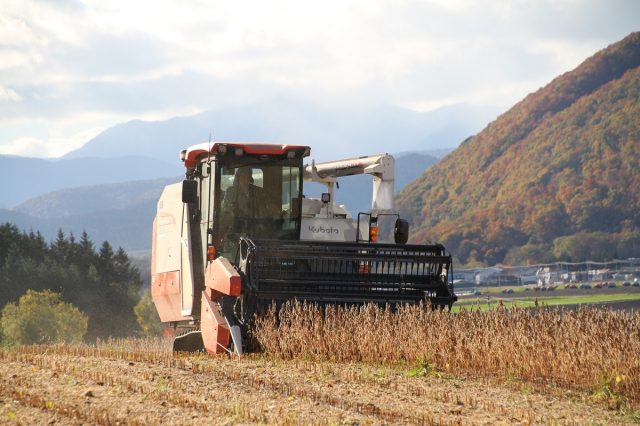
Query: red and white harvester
[239, 234]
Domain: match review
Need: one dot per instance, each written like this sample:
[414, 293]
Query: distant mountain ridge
[332, 131]
[23, 178]
[141, 150]
[558, 171]
[78, 201]
[122, 213]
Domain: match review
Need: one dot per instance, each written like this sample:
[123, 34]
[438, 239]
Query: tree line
[101, 283]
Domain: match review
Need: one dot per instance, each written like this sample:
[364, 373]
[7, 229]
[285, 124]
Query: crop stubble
[324, 370]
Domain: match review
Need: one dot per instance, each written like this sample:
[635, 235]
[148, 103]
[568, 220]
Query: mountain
[140, 150]
[24, 178]
[122, 213]
[557, 177]
[129, 228]
[90, 199]
[437, 153]
[334, 131]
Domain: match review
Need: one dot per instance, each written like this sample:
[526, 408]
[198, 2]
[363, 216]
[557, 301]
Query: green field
[497, 290]
[527, 302]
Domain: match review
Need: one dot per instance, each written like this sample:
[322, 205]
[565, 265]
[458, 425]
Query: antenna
[209, 150]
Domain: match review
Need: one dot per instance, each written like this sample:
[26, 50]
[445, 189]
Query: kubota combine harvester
[238, 234]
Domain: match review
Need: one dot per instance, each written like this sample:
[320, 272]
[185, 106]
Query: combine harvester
[238, 235]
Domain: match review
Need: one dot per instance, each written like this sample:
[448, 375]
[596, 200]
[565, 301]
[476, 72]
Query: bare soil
[57, 385]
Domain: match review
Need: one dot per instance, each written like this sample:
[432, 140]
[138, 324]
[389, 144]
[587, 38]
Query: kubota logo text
[323, 230]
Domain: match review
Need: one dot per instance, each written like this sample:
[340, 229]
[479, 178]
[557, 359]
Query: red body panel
[165, 291]
[221, 277]
[165, 286]
[215, 331]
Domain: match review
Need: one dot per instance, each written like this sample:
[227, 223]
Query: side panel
[165, 291]
[171, 266]
[215, 330]
[221, 277]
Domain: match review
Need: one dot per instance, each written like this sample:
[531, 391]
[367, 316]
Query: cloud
[9, 95]
[51, 147]
[25, 146]
[122, 59]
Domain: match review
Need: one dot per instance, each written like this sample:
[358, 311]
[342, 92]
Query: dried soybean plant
[586, 348]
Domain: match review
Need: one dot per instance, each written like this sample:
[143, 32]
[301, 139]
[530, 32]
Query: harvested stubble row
[112, 385]
[345, 364]
[199, 388]
[213, 378]
[586, 349]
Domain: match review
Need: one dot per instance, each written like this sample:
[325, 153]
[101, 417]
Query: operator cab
[258, 200]
[245, 190]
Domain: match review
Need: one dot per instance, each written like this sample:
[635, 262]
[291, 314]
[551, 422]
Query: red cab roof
[195, 152]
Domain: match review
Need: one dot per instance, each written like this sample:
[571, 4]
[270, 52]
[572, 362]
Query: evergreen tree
[87, 251]
[59, 247]
[9, 237]
[103, 285]
[105, 259]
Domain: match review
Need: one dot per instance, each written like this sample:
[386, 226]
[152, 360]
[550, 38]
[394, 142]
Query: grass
[529, 302]
[495, 290]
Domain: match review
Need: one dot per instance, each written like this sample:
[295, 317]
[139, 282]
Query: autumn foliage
[41, 317]
[563, 162]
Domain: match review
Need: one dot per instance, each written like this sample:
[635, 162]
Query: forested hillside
[101, 283]
[555, 177]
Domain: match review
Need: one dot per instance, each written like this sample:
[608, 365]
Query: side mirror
[189, 191]
[401, 231]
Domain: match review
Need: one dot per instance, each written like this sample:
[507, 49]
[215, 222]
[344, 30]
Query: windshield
[259, 201]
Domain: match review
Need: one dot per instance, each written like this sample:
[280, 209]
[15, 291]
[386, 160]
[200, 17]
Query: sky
[69, 69]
